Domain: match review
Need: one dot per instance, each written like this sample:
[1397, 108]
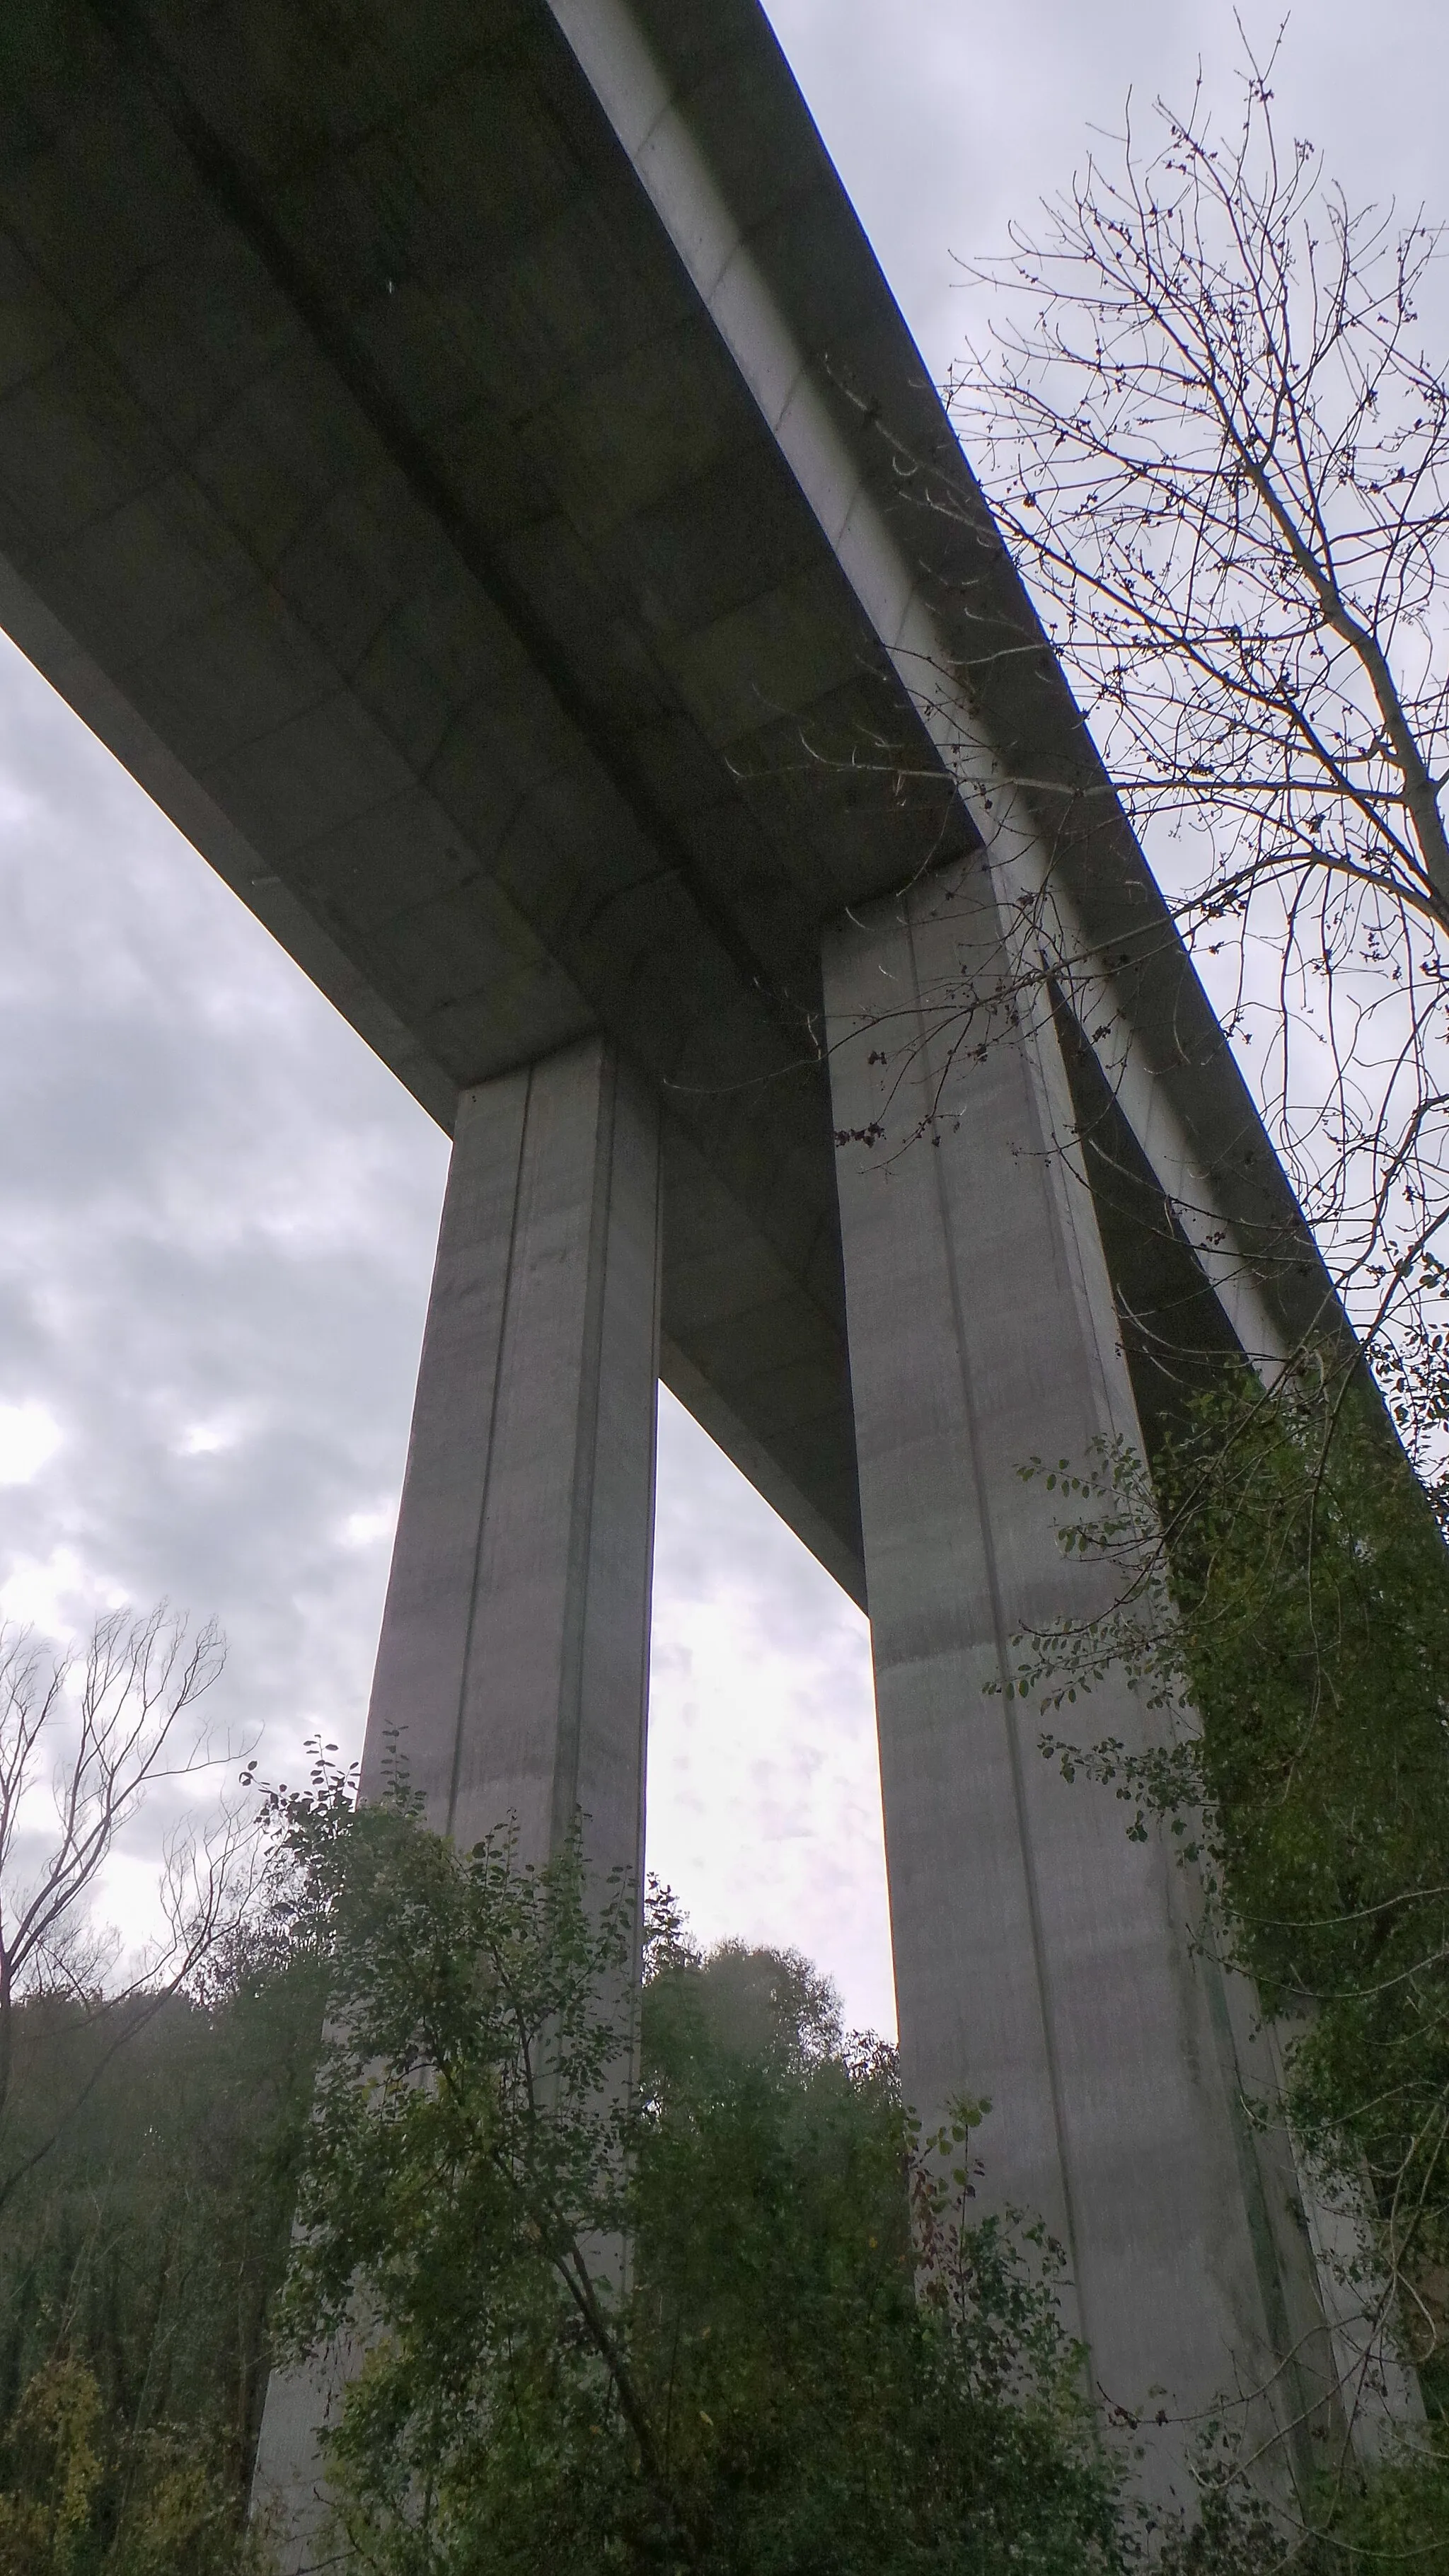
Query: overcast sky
[217, 1210]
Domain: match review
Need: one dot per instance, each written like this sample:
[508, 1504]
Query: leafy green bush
[1293, 1634]
[138, 2259]
[688, 2295]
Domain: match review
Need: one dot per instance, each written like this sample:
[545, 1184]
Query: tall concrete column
[513, 1663]
[1042, 1960]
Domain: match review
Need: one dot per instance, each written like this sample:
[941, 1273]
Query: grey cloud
[219, 1213]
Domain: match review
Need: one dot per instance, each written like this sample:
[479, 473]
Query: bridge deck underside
[375, 479]
[360, 428]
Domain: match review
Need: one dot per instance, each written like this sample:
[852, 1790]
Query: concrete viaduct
[463, 457]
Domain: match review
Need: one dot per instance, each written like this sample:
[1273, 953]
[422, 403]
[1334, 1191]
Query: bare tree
[85, 1736]
[1209, 430]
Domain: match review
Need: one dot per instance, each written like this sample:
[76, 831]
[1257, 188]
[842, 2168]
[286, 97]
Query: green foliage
[85, 2498]
[846, 2388]
[652, 2283]
[138, 2259]
[1302, 1609]
[682, 2296]
[1400, 2521]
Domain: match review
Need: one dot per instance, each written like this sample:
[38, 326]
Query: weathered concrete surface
[289, 2508]
[1041, 1957]
[513, 1665]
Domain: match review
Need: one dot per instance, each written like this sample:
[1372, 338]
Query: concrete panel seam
[1005, 1670]
[565, 1797]
[500, 1348]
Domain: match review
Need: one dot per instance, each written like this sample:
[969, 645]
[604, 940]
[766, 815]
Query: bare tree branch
[1210, 431]
[110, 1722]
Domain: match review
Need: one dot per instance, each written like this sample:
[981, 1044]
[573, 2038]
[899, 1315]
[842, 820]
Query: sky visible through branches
[1212, 419]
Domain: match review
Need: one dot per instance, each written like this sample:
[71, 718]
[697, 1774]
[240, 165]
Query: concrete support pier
[513, 1660]
[1041, 1959]
[512, 1668]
